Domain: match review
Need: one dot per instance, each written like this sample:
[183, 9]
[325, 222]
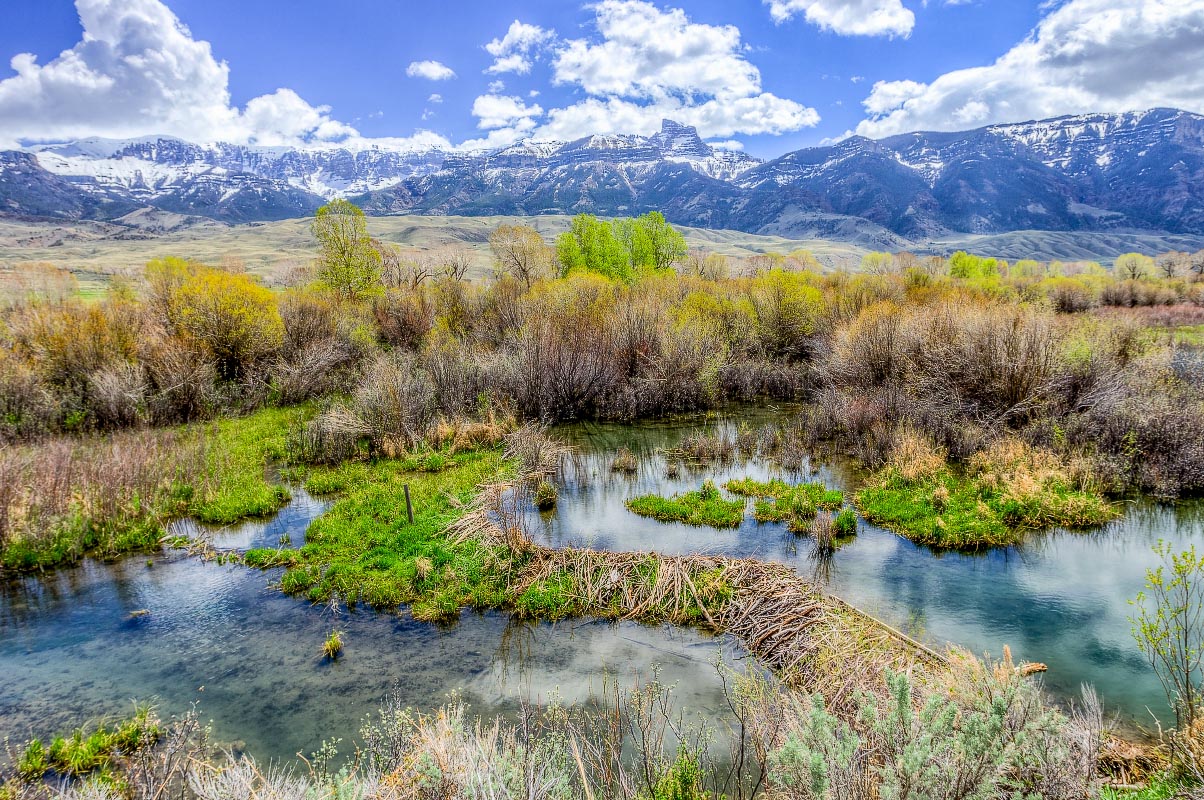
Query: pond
[1061, 598]
[72, 650]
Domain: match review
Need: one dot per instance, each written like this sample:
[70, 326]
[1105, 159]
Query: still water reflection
[1060, 598]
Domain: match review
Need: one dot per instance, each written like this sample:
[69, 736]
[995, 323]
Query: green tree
[590, 244]
[349, 264]
[656, 244]
[972, 267]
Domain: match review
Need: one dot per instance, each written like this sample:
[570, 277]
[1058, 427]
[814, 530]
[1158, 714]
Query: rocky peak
[681, 141]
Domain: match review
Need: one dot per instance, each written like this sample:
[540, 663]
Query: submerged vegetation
[975, 731]
[707, 506]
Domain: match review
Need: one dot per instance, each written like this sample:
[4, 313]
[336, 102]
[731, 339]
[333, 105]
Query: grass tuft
[332, 648]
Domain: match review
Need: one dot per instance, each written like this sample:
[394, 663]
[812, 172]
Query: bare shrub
[182, 381]
[118, 394]
[27, 408]
[315, 369]
[403, 317]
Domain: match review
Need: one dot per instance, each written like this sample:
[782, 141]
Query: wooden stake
[409, 508]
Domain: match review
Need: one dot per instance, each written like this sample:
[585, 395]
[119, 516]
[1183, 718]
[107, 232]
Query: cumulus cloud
[501, 111]
[1085, 55]
[512, 52]
[136, 71]
[848, 17]
[647, 64]
[430, 70]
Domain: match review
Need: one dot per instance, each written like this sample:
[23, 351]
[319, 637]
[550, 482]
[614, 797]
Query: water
[71, 652]
[1061, 598]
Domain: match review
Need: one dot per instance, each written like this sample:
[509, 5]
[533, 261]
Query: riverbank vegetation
[615, 322]
[68, 496]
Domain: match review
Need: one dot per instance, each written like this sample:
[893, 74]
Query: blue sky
[769, 76]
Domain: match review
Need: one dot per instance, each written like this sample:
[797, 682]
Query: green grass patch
[126, 487]
[1159, 787]
[364, 550]
[969, 510]
[778, 501]
[83, 752]
[240, 452]
[705, 507]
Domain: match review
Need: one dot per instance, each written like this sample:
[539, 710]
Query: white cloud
[648, 64]
[496, 87]
[512, 53]
[1085, 55]
[649, 53]
[430, 70]
[886, 96]
[848, 17]
[759, 114]
[137, 71]
[283, 118]
[501, 111]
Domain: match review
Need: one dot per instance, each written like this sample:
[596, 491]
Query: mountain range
[1136, 171]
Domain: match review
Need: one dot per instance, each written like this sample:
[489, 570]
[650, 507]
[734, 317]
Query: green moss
[703, 507]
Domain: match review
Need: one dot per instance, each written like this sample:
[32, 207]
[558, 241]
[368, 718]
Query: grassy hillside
[272, 248]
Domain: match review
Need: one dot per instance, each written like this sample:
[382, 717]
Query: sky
[766, 76]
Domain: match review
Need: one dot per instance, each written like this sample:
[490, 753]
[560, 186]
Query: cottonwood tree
[1172, 263]
[704, 264]
[454, 262]
[655, 243]
[1133, 266]
[348, 264]
[521, 252]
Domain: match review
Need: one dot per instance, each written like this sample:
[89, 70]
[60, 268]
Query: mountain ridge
[1140, 171]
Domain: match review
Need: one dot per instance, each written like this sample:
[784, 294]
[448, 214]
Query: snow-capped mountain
[1138, 170]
